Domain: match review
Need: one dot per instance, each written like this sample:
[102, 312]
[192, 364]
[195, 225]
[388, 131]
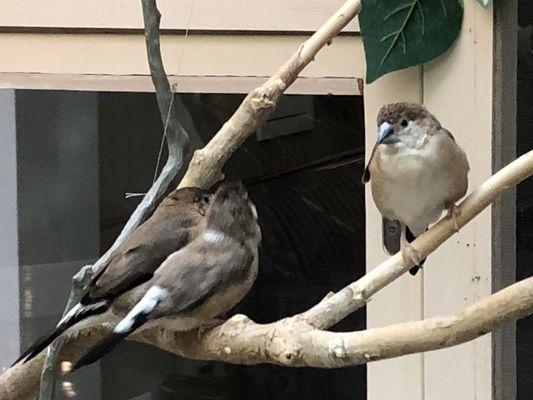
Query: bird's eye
[404, 123]
[204, 198]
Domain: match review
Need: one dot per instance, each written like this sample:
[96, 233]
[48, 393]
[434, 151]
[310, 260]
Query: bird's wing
[456, 158]
[198, 274]
[185, 281]
[447, 132]
[139, 257]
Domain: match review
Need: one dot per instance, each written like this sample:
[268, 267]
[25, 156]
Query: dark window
[302, 169]
[79, 153]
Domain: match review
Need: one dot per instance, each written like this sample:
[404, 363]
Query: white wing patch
[81, 309]
[147, 304]
[73, 311]
[212, 236]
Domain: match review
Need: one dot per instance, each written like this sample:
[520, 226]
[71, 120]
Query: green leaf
[485, 3]
[401, 33]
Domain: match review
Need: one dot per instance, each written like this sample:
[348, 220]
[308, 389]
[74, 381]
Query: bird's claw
[452, 213]
[411, 255]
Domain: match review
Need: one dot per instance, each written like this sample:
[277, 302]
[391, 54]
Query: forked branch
[300, 340]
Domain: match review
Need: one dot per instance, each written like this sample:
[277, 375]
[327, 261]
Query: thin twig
[206, 165]
[178, 144]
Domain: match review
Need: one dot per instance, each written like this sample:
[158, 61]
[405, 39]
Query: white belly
[415, 187]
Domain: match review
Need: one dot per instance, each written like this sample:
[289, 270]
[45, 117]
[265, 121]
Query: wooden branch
[206, 165]
[176, 136]
[354, 296]
[293, 343]
[178, 142]
[296, 341]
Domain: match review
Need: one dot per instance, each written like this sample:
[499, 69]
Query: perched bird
[417, 170]
[174, 223]
[197, 283]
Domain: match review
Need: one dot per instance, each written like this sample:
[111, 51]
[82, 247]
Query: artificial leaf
[485, 3]
[401, 33]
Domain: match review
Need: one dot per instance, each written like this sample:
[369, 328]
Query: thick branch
[206, 165]
[486, 315]
[294, 341]
[336, 307]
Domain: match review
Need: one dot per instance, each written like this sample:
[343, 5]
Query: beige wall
[403, 299]
[96, 52]
[457, 88]
[232, 47]
[199, 63]
[208, 15]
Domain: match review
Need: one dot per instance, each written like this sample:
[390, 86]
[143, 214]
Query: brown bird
[197, 283]
[175, 222]
[417, 171]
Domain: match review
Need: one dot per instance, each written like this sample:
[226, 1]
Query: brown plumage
[176, 222]
[416, 170]
[202, 280]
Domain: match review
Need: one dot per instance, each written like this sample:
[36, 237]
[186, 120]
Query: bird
[417, 170]
[197, 283]
[174, 223]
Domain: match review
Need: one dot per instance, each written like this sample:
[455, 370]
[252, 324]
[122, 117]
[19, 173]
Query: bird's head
[196, 198]
[231, 211]
[405, 125]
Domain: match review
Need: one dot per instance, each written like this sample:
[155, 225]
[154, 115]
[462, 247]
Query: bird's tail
[100, 350]
[121, 331]
[40, 344]
[410, 237]
[137, 316]
[75, 315]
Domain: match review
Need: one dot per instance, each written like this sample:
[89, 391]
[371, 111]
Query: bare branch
[294, 341]
[176, 136]
[206, 165]
[297, 340]
[178, 143]
[334, 308]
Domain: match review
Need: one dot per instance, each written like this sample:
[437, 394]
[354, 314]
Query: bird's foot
[453, 211]
[411, 255]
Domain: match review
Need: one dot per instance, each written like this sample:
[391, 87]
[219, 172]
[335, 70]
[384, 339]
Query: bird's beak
[386, 134]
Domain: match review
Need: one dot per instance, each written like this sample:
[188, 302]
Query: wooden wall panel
[458, 90]
[400, 378]
[207, 63]
[209, 15]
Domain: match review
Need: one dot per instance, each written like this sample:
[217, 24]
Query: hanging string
[173, 90]
[163, 137]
